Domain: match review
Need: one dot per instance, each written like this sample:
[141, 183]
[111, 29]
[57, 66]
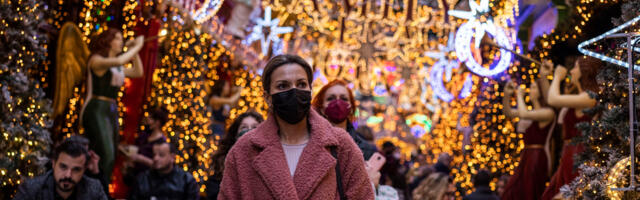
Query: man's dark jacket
[43, 188]
[177, 184]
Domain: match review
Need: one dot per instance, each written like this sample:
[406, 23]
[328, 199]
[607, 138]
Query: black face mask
[292, 105]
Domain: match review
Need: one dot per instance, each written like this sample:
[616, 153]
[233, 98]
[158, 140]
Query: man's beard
[71, 184]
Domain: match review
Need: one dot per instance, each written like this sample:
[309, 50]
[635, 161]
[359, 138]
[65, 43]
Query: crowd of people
[306, 148]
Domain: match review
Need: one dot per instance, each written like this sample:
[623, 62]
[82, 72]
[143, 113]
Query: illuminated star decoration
[441, 55]
[274, 31]
[368, 48]
[208, 10]
[476, 27]
[477, 19]
[446, 65]
[600, 56]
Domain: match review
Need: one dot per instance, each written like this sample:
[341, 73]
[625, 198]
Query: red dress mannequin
[528, 180]
[566, 173]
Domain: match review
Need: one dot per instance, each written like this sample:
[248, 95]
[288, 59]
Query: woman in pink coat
[296, 153]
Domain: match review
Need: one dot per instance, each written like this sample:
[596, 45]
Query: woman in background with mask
[241, 125]
[295, 153]
[335, 102]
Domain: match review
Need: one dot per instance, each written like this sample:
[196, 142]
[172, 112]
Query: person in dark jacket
[483, 191]
[335, 102]
[66, 180]
[164, 180]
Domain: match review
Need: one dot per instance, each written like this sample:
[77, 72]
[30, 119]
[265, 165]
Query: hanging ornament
[476, 27]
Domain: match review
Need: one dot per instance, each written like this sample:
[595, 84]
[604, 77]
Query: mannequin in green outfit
[105, 77]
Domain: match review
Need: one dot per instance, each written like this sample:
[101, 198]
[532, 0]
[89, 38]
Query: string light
[582, 49]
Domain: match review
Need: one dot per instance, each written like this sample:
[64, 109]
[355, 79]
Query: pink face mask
[337, 111]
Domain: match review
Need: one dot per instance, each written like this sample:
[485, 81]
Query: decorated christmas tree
[180, 86]
[25, 141]
[604, 163]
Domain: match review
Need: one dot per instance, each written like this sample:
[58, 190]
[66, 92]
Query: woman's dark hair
[366, 133]
[160, 114]
[279, 61]
[228, 140]
[101, 44]
[589, 68]
[482, 178]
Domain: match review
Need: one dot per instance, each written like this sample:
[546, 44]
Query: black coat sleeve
[191, 189]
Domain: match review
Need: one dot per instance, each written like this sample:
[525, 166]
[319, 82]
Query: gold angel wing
[71, 63]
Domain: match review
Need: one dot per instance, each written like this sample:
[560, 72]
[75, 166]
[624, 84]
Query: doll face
[116, 43]
[575, 74]
[534, 91]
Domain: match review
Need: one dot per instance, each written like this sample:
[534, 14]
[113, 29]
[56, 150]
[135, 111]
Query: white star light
[476, 12]
[274, 31]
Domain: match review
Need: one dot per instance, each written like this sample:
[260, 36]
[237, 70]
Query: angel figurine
[105, 76]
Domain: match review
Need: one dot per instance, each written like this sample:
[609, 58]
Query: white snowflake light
[274, 31]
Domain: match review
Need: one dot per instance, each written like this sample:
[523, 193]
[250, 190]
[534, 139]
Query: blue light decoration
[391, 68]
[208, 10]
[474, 28]
[420, 124]
[418, 131]
[444, 65]
[380, 90]
[582, 49]
[466, 87]
[436, 81]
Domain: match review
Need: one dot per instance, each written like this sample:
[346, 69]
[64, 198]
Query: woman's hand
[520, 92]
[560, 73]
[92, 165]
[546, 68]
[508, 89]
